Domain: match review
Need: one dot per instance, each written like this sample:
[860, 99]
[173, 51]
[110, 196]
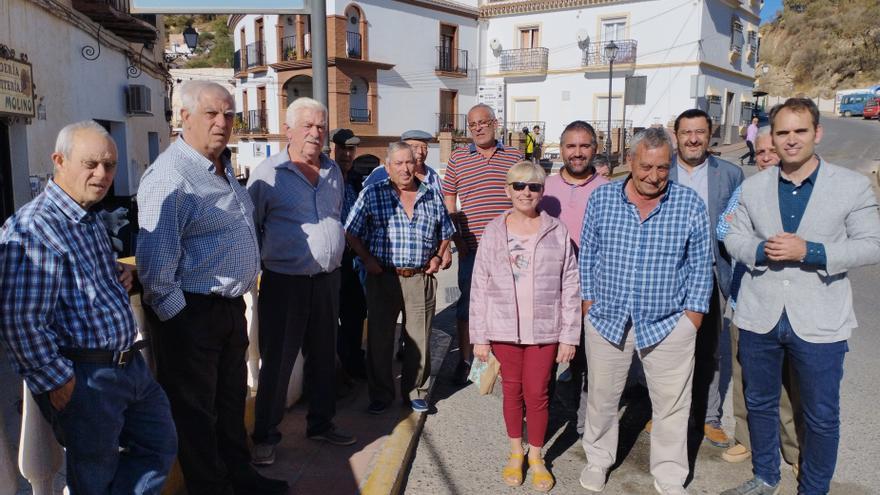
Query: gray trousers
[387, 295]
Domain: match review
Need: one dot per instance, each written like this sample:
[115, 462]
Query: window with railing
[353, 45]
[753, 43]
[524, 60]
[594, 53]
[455, 123]
[359, 114]
[452, 60]
[256, 55]
[236, 61]
[736, 36]
[257, 122]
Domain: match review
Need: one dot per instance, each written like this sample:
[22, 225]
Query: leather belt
[407, 272]
[118, 359]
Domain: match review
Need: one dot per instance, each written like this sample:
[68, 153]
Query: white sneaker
[593, 478]
[664, 489]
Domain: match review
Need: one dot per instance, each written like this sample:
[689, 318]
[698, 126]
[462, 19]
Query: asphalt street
[463, 445]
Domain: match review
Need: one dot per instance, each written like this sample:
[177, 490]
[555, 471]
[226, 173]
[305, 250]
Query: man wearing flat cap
[352, 305]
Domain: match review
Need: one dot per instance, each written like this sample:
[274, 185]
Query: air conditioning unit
[137, 100]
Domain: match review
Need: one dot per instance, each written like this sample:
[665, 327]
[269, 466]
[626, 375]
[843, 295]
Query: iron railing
[236, 62]
[359, 115]
[256, 55]
[594, 54]
[451, 60]
[288, 48]
[524, 60]
[257, 122]
[353, 45]
[455, 123]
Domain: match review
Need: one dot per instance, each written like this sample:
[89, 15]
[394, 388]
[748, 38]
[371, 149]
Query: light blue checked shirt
[196, 231]
[392, 237]
[299, 225]
[648, 271]
[58, 288]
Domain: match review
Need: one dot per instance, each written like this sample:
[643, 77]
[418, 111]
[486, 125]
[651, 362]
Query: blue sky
[769, 10]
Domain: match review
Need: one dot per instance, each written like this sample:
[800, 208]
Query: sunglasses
[533, 187]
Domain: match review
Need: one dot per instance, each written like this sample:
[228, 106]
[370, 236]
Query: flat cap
[417, 135]
[344, 137]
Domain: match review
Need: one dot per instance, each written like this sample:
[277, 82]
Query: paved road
[463, 445]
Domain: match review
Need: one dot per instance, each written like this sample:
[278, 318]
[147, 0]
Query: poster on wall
[492, 94]
[16, 86]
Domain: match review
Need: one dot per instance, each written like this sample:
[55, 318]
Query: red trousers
[525, 376]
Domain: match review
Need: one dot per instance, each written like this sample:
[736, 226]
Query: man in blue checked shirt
[401, 229]
[646, 280]
[197, 256]
[66, 322]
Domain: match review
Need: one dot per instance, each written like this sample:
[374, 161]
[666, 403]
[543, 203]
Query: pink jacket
[557, 305]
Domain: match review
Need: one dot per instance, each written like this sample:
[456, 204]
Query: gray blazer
[843, 215]
[724, 177]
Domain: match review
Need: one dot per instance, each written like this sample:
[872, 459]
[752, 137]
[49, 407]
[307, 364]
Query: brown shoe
[715, 435]
[737, 453]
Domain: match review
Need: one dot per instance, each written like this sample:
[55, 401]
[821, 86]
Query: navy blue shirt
[793, 200]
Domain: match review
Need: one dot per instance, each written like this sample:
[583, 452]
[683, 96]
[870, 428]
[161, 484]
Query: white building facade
[87, 60]
[548, 59]
[393, 65]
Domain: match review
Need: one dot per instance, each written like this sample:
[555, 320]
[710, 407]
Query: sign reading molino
[16, 88]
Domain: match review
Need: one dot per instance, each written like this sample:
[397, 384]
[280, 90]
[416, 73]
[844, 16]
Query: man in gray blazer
[799, 228]
[714, 180]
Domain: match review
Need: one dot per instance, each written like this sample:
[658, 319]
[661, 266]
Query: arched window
[358, 102]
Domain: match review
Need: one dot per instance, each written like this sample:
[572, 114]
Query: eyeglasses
[533, 187]
[479, 125]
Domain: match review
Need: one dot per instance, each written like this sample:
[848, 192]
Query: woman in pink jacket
[525, 307]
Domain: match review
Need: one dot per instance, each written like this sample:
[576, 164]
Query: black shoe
[335, 436]
[462, 372]
[249, 482]
[377, 407]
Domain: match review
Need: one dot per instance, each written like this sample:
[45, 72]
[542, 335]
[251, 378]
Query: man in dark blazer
[799, 228]
[714, 180]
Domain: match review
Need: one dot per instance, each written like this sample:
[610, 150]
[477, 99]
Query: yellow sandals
[513, 476]
[543, 481]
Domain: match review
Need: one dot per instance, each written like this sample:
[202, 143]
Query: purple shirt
[568, 202]
[752, 133]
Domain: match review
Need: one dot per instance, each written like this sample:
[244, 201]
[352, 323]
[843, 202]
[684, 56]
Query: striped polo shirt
[479, 184]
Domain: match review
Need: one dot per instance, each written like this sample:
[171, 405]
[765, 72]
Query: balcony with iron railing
[256, 55]
[595, 56]
[289, 45]
[256, 122]
[359, 115]
[451, 61]
[527, 60]
[115, 16]
[236, 62]
[353, 45]
[456, 123]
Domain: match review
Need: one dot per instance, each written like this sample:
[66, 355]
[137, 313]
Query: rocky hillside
[817, 47]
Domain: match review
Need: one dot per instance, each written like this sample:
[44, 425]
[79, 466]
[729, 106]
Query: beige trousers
[788, 438]
[669, 372]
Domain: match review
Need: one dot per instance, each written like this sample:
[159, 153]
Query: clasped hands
[785, 246]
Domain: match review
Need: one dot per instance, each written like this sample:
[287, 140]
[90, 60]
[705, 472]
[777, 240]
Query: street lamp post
[610, 55]
[191, 38]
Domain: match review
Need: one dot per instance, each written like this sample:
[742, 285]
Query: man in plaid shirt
[646, 279]
[400, 229]
[67, 325]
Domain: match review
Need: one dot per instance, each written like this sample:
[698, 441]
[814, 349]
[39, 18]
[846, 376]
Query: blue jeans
[114, 409]
[818, 369]
[465, 270]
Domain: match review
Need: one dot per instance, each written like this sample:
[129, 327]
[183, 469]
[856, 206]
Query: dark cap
[416, 135]
[344, 137]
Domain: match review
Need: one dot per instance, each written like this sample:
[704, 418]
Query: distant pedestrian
[788, 405]
[539, 144]
[298, 200]
[197, 255]
[603, 168]
[524, 307]
[751, 134]
[68, 328]
[352, 304]
[795, 301]
[475, 177]
[399, 227]
[646, 281]
[530, 144]
[714, 180]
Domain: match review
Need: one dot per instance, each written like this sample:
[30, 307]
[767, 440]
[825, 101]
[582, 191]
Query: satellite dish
[583, 38]
[495, 45]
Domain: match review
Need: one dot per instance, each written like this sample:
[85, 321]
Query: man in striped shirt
[476, 177]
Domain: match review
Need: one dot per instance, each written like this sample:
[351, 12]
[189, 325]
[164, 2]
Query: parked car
[872, 109]
[854, 105]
